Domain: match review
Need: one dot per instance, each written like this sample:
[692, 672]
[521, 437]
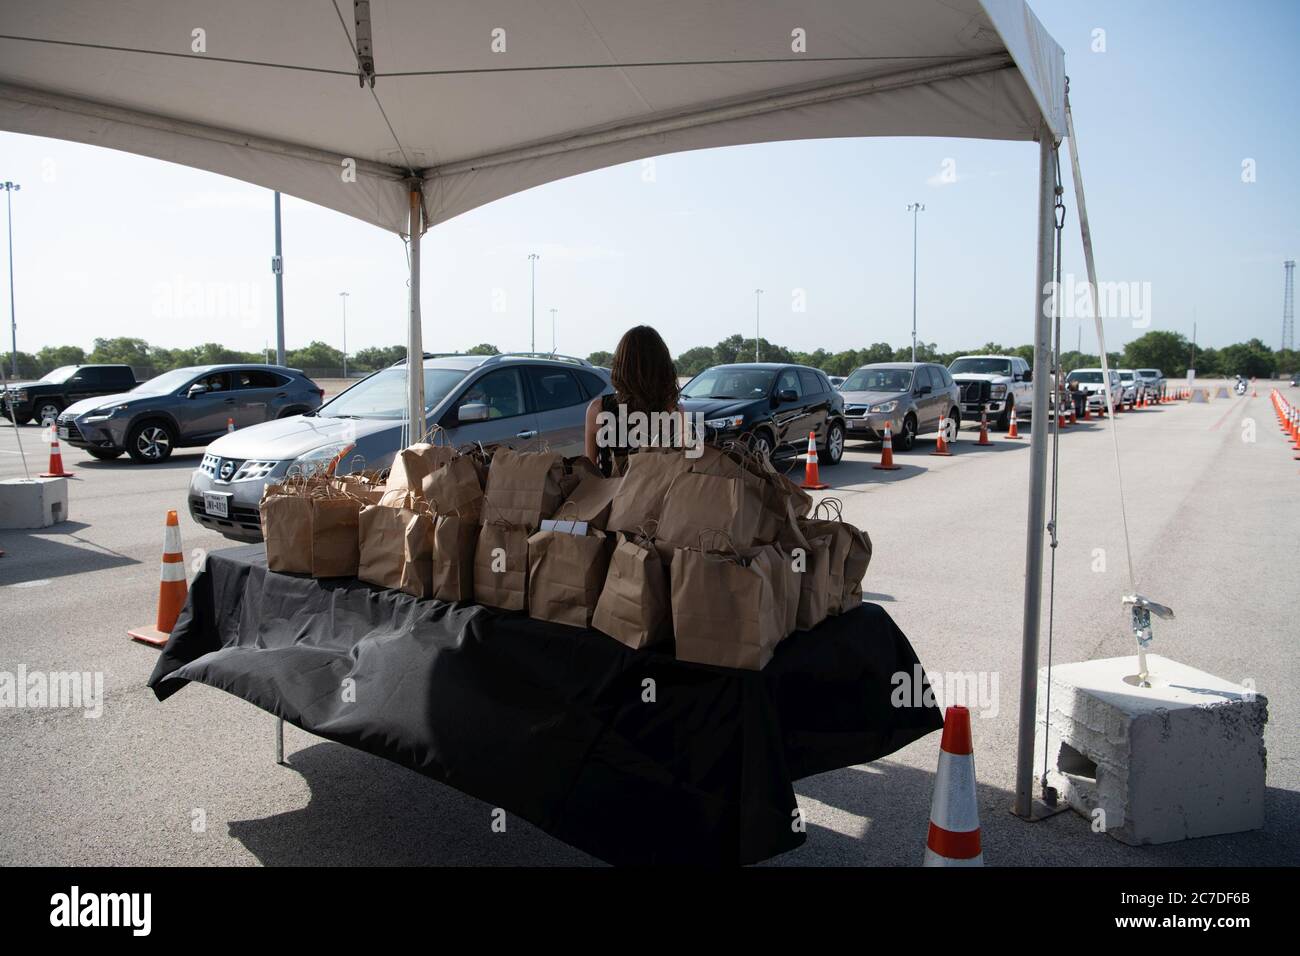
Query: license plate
[857, 426]
[64, 432]
[216, 505]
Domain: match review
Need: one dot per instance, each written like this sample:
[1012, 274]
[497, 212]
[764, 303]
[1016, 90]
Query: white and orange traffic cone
[984, 428]
[886, 462]
[954, 837]
[811, 479]
[230, 425]
[171, 592]
[1014, 430]
[941, 443]
[56, 458]
[1074, 416]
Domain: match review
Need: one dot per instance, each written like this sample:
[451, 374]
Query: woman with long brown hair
[645, 391]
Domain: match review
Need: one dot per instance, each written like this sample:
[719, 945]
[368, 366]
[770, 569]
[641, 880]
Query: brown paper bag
[725, 608]
[335, 536]
[640, 495]
[501, 565]
[286, 529]
[591, 501]
[565, 575]
[524, 487]
[394, 548]
[850, 553]
[455, 538]
[696, 501]
[815, 583]
[634, 604]
[455, 487]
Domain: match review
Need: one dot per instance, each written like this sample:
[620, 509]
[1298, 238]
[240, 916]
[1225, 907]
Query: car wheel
[149, 442]
[907, 437]
[22, 419]
[47, 411]
[104, 454]
[1004, 420]
[761, 443]
[834, 450]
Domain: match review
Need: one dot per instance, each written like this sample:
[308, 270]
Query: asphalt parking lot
[1214, 527]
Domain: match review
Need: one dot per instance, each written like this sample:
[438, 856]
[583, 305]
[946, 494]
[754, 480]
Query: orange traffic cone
[1073, 415]
[1014, 430]
[886, 452]
[230, 425]
[954, 837]
[56, 459]
[984, 429]
[811, 479]
[171, 592]
[941, 443]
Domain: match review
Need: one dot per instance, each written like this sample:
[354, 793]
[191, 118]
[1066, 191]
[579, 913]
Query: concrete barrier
[33, 503]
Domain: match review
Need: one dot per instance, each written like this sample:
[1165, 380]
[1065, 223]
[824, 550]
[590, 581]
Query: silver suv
[912, 396]
[520, 400]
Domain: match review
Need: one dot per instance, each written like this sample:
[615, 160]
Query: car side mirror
[196, 390]
[787, 395]
[924, 390]
[472, 412]
[1028, 376]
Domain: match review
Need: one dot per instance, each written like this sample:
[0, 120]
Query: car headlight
[999, 391]
[323, 460]
[104, 414]
[723, 424]
[20, 395]
[884, 408]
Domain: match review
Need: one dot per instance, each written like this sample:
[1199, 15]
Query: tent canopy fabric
[478, 99]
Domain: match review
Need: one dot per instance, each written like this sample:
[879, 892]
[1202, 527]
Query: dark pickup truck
[46, 397]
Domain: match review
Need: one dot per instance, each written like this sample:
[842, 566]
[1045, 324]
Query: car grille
[855, 411]
[66, 421]
[975, 392]
[248, 518]
[234, 469]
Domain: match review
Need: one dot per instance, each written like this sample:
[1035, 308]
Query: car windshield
[1149, 372]
[1126, 376]
[166, 382]
[878, 380]
[980, 366]
[1085, 378]
[383, 395]
[59, 375]
[730, 382]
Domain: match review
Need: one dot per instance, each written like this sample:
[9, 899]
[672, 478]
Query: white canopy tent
[405, 113]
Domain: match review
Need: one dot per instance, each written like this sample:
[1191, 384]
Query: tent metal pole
[1035, 529]
[415, 422]
[278, 267]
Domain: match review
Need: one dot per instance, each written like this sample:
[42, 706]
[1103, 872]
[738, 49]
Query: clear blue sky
[106, 243]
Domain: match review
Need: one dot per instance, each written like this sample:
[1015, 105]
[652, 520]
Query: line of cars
[525, 400]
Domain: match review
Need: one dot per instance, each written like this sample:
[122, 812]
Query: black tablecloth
[552, 722]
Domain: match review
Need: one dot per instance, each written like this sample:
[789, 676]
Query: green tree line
[1169, 351]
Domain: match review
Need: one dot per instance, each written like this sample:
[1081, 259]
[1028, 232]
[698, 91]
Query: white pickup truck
[995, 384]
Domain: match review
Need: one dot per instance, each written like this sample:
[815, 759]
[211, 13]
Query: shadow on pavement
[45, 553]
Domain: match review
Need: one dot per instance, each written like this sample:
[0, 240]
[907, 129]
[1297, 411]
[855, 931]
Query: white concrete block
[1183, 758]
[37, 503]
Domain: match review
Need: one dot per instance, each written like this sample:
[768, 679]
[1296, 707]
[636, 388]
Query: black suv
[775, 405]
[44, 399]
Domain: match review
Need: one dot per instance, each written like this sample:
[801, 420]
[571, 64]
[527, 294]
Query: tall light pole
[10, 189]
[915, 209]
[344, 297]
[757, 293]
[532, 309]
[553, 311]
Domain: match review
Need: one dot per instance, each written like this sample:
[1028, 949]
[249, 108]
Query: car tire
[906, 439]
[1003, 422]
[762, 443]
[954, 416]
[22, 419]
[105, 454]
[834, 450]
[150, 442]
[47, 410]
